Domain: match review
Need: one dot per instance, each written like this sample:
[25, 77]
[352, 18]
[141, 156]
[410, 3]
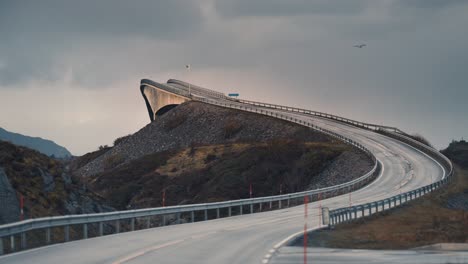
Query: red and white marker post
[21, 207]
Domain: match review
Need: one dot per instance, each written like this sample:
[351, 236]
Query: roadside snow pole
[164, 198]
[250, 190]
[306, 201]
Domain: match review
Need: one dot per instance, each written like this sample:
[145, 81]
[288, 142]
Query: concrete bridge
[160, 98]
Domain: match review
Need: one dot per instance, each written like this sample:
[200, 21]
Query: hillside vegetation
[44, 183]
[202, 153]
[216, 173]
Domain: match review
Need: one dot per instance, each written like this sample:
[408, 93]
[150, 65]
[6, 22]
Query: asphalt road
[247, 238]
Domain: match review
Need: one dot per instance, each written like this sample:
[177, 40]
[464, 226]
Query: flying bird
[360, 46]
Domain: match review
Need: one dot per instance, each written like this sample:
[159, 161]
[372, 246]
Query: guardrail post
[132, 224]
[260, 207]
[251, 208]
[117, 226]
[148, 222]
[85, 231]
[24, 242]
[279, 204]
[370, 209]
[271, 204]
[206, 214]
[47, 235]
[217, 213]
[288, 202]
[178, 218]
[101, 229]
[229, 211]
[12, 243]
[164, 220]
[192, 216]
[1, 246]
[67, 233]
[240, 209]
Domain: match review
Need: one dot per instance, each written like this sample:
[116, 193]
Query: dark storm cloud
[35, 33]
[288, 8]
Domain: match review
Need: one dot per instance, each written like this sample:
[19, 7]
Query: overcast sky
[70, 70]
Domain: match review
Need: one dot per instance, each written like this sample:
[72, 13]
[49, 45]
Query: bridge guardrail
[21, 228]
[347, 214]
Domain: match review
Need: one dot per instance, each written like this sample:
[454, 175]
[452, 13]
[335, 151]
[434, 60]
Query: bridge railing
[351, 213]
[22, 228]
[319, 114]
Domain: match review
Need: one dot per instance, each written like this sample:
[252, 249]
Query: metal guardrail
[47, 223]
[364, 210]
[320, 114]
[291, 109]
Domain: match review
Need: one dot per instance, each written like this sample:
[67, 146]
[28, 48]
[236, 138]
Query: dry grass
[422, 222]
[195, 158]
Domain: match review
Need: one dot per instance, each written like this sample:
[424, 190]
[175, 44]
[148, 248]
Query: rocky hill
[44, 146]
[45, 183]
[200, 153]
[195, 123]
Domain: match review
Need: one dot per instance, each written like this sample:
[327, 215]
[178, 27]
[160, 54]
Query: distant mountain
[44, 146]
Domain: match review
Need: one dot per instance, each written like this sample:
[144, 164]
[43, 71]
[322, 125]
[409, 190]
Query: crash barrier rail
[290, 109]
[351, 213]
[199, 89]
[319, 114]
[12, 231]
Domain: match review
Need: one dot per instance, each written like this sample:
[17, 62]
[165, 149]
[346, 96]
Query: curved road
[246, 238]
